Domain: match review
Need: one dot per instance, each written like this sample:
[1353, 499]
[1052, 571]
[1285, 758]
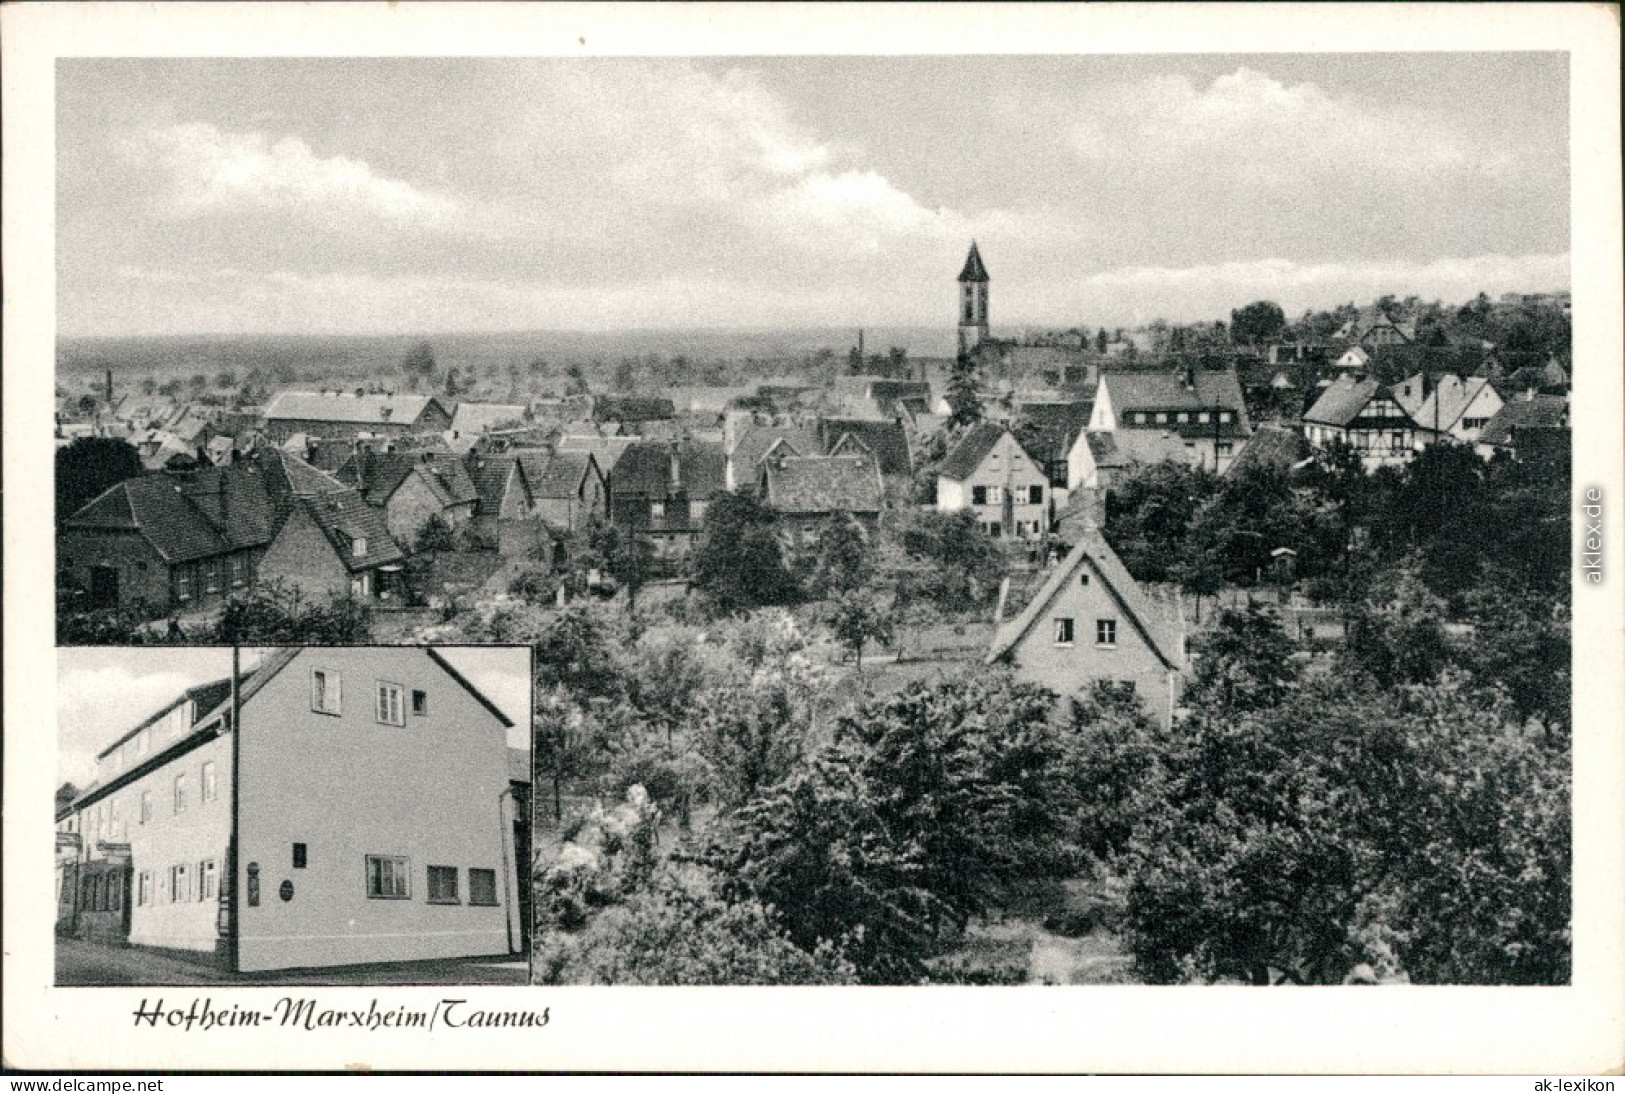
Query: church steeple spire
[973, 282]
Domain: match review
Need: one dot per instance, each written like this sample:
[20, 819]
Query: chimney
[225, 506]
[860, 349]
[109, 387]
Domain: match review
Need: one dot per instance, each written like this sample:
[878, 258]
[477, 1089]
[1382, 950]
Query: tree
[945, 559]
[1419, 833]
[435, 536]
[752, 737]
[275, 613]
[860, 616]
[1258, 323]
[964, 399]
[678, 930]
[739, 563]
[419, 361]
[840, 557]
[574, 653]
[88, 467]
[923, 811]
[575, 380]
[1101, 340]
[1245, 663]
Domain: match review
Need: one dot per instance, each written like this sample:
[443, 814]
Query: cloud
[1253, 127]
[210, 169]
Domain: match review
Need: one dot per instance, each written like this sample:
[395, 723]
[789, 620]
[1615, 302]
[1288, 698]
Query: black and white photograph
[634, 507]
[242, 817]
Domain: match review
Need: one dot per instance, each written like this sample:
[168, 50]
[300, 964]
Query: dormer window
[358, 547]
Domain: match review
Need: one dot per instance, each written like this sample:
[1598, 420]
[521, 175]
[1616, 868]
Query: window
[995, 495]
[388, 878]
[1035, 495]
[146, 806]
[1083, 579]
[359, 547]
[1184, 417]
[211, 576]
[206, 880]
[443, 885]
[326, 691]
[183, 584]
[300, 856]
[657, 509]
[208, 781]
[1141, 418]
[482, 886]
[1203, 417]
[1223, 448]
[1105, 632]
[239, 570]
[390, 710]
[1396, 440]
[420, 702]
[978, 495]
[995, 529]
[180, 885]
[1224, 417]
[1162, 418]
[143, 888]
[115, 892]
[180, 792]
[1063, 632]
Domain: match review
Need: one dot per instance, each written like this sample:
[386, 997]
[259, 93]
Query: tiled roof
[753, 443]
[350, 409]
[972, 449]
[490, 478]
[1146, 446]
[382, 473]
[1168, 391]
[345, 517]
[888, 441]
[188, 516]
[1447, 402]
[1054, 427]
[1160, 633]
[1519, 413]
[823, 484]
[554, 474]
[1271, 447]
[1342, 401]
[479, 417]
[645, 469]
[974, 269]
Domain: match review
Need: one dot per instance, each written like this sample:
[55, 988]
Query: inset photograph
[299, 815]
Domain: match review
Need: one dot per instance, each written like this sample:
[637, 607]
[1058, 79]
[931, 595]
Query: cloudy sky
[425, 195]
[102, 693]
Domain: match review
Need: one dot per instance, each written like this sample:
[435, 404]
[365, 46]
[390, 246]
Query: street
[91, 964]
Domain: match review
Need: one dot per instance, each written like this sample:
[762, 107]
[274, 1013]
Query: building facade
[371, 818]
[991, 474]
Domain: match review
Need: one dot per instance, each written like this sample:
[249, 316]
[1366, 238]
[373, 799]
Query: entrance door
[104, 586]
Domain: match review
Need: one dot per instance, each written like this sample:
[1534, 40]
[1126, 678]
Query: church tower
[973, 282]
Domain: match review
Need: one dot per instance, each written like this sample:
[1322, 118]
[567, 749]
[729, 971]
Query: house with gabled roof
[1274, 448]
[347, 415]
[752, 440]
[1366, 414]
[885, 439]
[1454, 406]
[328, 807]
[1526, 422]
[1050, 430]
[331, 543]
[661, 492]
[566, 489]
[1203, 406]
[412, 488]
[990, 473]
[806, 491]
[1091, 623]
